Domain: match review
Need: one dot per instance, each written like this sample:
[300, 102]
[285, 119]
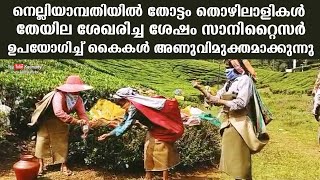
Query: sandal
[66, 171]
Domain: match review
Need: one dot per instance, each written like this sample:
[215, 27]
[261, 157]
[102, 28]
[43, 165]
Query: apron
[239, 141]
[159, 155]
[52, 140]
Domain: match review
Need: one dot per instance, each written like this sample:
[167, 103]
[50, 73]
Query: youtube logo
[18, 67]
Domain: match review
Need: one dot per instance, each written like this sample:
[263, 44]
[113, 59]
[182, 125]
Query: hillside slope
[292, 152]
[164, 76]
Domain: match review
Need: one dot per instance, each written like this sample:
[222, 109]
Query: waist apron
[159, 155]
[239, 141]
[52, 140]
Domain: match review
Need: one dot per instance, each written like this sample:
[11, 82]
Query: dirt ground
[86, 173]
[82, 172]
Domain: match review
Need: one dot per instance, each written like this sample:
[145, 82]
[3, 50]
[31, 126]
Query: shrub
[198, 146]
[6, 147]
[114, 153]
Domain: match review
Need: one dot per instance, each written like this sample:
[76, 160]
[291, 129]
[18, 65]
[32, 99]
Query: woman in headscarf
[239, 137]
[165, 127]
[52, 115]
[316, 94]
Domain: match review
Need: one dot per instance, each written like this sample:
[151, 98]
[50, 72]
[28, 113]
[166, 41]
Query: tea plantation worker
[239, 137]
[52, 115]
[316, 102]
[165, 127]
[316, 94]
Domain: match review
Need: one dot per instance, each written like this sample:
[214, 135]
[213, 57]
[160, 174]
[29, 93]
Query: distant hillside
[283, 64]
[287, 83]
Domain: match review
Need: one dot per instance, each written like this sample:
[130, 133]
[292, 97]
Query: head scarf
[133, 95]
[125, 93]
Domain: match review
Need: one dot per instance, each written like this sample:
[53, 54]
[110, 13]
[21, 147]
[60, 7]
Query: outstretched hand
[103, 137]
[195, 84]
[214, 99]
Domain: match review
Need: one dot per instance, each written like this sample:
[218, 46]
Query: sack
[41, 108]
[266, 114]
[262, 115]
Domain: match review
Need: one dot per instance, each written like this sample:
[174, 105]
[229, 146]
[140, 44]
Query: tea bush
[199, 146]
[4, 131]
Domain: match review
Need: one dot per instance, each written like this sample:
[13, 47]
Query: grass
[292, 152]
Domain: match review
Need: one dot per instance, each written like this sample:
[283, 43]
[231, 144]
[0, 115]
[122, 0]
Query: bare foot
[66, 171]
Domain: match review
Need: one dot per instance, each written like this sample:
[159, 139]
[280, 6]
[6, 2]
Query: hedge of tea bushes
[167, 75]
[287, 83]
[199, 147]
[164, 76]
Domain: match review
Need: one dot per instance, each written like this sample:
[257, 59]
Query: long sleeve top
[126, 123]
[242, 88]
[129, 119]
[61, 111]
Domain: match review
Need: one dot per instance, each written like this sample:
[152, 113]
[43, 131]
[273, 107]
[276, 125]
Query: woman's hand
[81, 122]
[92, 123]
[195, 84]
[214, 99]
[84, 136]
[141, 126]
[103, 137]
[217, 101]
